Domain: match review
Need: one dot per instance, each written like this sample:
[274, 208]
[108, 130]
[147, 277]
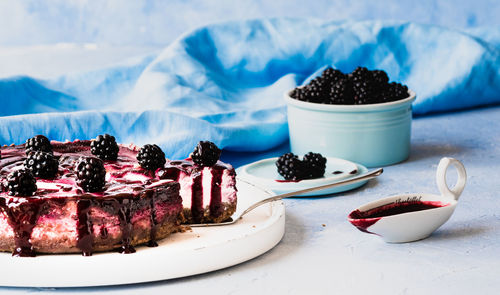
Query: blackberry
[38, 143]
[90, 174]
[314, 93]
[395, 91]
[299, 93]
[380, 78]
[104, 147]
[332, 76]
[151, 157]
[206, 153]
[42, 164]
[315, 165]
[364, 87]
[359, 74]
[290, 167]
[295, 93]
[342, 92]
[364, 93]
[317, 82]
[21, 183]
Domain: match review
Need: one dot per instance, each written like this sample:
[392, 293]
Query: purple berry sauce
[364, 219]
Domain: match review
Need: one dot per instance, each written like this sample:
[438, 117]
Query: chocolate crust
[226, 213]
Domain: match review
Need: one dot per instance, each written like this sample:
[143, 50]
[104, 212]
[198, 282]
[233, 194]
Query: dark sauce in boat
[364, 219]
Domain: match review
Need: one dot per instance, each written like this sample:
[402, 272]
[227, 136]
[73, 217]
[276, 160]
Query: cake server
[238, 215]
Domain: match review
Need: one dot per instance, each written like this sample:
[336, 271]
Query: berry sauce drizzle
[84, 226]
[21, 215]
[117, 199]
[216, 201]
[197, 197]
[154, 224]
[123, 207]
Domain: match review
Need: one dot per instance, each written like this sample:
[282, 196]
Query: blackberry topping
[315, 165]
[104, 147]
[290, 167]
[90, 174]
[21, 183]
[38, 143]
[42, 164]
[151, 157]
[206, 153]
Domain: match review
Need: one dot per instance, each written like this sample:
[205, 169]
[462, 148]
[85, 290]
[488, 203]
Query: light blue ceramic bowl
[373, 135]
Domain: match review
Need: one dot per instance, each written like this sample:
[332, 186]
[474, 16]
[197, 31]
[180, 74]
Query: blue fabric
[225, 82]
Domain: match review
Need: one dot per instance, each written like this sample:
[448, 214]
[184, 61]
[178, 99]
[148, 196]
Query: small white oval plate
[265, 174]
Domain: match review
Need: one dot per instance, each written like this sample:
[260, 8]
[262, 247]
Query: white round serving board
[193, 252]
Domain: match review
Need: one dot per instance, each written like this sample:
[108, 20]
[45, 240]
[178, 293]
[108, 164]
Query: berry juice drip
[287, 180]
[216, 191]
[197, 197]
[21, 215]
[152, 234]
[125, 216]
[84, 227]
[362, 223]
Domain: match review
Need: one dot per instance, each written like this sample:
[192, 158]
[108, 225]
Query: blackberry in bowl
[359, 116]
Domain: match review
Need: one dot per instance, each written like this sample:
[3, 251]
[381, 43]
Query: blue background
[158, 71]
[158, 23]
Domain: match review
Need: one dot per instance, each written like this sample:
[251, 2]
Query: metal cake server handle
[236, 217]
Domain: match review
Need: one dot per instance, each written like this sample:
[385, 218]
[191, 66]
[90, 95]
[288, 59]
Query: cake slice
[208, 193]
